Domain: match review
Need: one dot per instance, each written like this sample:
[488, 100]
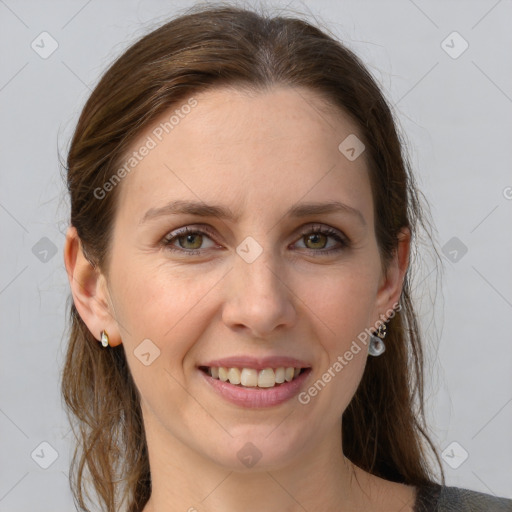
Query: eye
[190, 241]
[317, 237]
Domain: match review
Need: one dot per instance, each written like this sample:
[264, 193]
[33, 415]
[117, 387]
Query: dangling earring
[104, 338]
[377, 346]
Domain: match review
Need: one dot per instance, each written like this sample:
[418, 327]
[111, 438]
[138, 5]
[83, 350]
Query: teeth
[280, 375]
[234, 376]
[249, 377]
[266, 378]
[223, 374]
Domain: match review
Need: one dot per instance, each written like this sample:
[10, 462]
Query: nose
[257, 297]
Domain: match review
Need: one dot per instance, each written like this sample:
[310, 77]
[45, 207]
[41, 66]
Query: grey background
[455, 114]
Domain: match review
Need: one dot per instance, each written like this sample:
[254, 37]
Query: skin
[258, 154]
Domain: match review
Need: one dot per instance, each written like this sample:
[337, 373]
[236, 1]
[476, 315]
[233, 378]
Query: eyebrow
[201, 209]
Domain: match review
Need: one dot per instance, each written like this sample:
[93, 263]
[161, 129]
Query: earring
[104, 338]
[377, 346]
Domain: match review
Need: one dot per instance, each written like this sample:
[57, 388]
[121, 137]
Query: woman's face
[256, 286]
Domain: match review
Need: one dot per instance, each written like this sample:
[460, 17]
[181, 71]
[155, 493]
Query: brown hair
[384, 429]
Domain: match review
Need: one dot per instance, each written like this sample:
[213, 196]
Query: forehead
[246, 148]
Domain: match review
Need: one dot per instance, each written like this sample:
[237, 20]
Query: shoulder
[472, 501]
[440, 498]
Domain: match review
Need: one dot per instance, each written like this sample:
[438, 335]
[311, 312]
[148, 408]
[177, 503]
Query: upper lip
[258, 363]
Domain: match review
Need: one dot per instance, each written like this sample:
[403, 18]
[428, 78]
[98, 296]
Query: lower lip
[254, 397]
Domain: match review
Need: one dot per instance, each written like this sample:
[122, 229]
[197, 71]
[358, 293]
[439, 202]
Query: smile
[248, 391]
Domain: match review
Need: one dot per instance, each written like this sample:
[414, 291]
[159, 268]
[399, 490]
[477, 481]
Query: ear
[89, 290]
[391, 284]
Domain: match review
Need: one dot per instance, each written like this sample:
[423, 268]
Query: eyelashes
[312, 232]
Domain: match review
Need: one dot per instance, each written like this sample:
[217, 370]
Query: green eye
[191, 238]
[315, 238]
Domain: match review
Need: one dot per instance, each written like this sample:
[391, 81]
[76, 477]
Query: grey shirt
[438, 498]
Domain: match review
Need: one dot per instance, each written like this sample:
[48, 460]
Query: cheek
[341, 306]
[162, 303]
[168, 309]
[343, 299]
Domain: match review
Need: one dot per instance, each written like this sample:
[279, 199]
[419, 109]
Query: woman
[242, 332]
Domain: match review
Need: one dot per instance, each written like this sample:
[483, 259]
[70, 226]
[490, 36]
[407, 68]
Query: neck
[317, 478]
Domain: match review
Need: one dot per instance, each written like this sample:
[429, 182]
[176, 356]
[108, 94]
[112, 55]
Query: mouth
[254, 378]
[255, 388]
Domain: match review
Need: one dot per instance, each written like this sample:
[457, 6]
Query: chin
[257, 449]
